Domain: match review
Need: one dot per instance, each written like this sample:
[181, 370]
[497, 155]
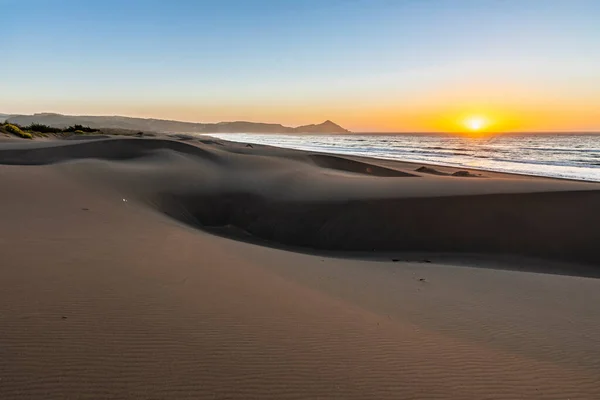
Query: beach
[156, 268]
[572, 155]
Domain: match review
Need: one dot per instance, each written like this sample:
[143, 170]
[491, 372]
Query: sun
[476, 123]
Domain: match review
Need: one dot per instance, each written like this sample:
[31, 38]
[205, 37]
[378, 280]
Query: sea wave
[560, 156]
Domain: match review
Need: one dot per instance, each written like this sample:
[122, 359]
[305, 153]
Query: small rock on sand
[465, 174]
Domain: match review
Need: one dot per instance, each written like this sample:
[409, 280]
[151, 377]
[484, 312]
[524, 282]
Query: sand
[154, 268]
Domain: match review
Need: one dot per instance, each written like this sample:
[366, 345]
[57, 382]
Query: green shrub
[42, 128]
[79, 132]
[78, 127]
[15, 130]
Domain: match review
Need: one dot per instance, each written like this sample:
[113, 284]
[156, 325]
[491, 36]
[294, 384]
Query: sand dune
[357, 167]
[104, 293]
[355, 211]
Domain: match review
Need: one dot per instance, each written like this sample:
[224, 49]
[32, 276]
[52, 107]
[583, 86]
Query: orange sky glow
[370, 66]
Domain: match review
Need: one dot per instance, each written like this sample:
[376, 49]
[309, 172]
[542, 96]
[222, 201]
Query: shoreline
[190, 136]
[220, 137]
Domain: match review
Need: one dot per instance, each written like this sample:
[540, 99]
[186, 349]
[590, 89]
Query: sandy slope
[102, 295]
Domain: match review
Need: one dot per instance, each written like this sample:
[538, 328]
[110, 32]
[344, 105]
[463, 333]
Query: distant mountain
[327, 126]
[160, 125]
[4, 117]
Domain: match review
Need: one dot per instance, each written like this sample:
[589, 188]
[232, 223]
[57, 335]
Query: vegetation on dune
[42, 128]
[15, 130]
[45, 131]
[80, 129]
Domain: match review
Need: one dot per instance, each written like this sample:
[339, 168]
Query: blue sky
[370, 64]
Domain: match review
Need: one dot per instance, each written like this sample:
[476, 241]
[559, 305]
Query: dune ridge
[338, 216]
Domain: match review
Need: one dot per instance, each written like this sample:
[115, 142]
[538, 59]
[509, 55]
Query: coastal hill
[159, 125]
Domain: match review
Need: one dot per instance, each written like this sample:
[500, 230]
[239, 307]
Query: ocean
[572, 156]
